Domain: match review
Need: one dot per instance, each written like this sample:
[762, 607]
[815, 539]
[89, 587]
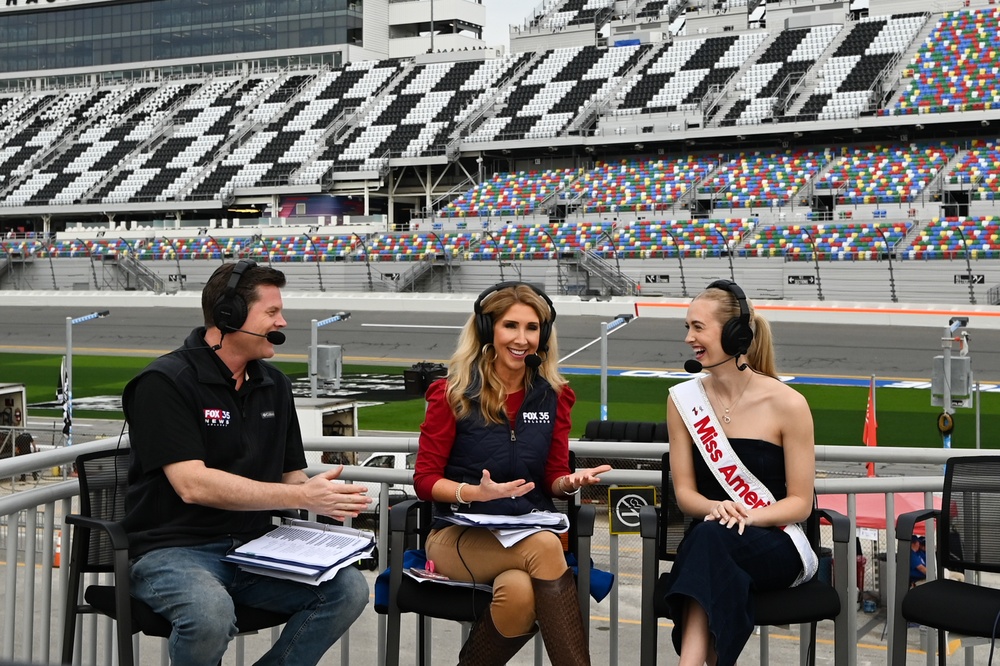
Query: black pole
[496, 246]
[888, 255]
[968, 266]
[368, 265]
[680, 263]
[729, 252]
[819, 284]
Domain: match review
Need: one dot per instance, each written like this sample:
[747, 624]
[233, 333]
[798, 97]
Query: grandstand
[780, 143]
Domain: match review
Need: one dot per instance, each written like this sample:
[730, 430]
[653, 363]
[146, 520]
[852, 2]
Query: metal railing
[31, 523]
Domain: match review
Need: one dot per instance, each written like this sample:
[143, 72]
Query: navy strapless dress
[717, 567]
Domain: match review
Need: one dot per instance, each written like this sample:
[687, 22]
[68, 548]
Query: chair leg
[811, 649]
[558, 612]
[393, 627]
[72, 601]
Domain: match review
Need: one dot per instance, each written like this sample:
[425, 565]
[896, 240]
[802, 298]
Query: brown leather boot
[487, 646]
[558, 613]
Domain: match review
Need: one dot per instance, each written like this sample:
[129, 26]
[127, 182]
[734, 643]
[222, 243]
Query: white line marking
[409, 326]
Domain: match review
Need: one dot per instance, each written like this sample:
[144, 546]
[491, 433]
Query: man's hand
[323, 496]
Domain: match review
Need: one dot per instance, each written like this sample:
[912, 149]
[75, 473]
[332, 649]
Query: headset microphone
[274, 337]
[533, 361]
[693, 367]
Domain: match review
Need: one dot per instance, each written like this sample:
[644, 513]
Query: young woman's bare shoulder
[779, 390]
[790, 395]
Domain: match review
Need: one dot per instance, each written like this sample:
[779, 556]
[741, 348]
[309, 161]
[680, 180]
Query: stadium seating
[418, 246]
[655, 9]
[840, 241]
[683, 71]
[192, 138]
[939, 240]
[761, 179]
[640, 184]
[555, 89]
[883, 174]
[510, 193]
[513, 241]
[768, 81]
[695, 238]
[644, 239]
[956, 67]
[978, 170]
[573, 12]
[849, 76]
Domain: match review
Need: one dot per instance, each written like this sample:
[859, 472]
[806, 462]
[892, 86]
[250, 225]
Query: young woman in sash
[495, 439]
[742, 459]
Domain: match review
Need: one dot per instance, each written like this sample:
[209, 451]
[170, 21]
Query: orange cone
[58, 555]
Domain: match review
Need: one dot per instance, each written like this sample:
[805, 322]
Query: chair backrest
[625, 431]
[103, 479]
[970, 509]
[674, 524]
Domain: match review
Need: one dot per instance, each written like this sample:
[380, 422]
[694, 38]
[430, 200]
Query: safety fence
[34, 571]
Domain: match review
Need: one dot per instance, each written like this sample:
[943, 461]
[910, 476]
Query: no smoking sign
[624, 503]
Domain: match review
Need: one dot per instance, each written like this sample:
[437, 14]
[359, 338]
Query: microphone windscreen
[275, 337]
[533, 361]
[692, 366]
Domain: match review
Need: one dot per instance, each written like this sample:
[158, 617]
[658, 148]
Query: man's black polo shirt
[184, 406]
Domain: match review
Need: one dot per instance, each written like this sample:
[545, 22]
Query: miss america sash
[741, 486]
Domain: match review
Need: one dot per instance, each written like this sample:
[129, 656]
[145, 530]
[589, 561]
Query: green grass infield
[905, 416]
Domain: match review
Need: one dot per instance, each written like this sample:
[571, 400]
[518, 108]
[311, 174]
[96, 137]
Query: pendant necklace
[725, 417]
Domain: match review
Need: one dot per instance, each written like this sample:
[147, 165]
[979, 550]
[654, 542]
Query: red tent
[871, 507]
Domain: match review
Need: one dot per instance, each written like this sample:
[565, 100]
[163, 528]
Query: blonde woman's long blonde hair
[760, 355]
[471, 375]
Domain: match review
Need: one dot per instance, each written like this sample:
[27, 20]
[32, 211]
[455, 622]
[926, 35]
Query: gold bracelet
[458, 493]
[562, 487]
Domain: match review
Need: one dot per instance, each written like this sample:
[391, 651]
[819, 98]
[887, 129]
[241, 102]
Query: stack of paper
[511, 529]
[421, 576]
[303, 551]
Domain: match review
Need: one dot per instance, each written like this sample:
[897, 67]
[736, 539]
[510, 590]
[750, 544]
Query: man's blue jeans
[196, 591]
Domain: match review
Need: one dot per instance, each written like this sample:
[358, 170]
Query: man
[23, 445]
[215, 447]
[918, 560]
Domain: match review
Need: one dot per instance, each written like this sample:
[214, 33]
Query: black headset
[736, 333]
[484, 321]
[230, 311]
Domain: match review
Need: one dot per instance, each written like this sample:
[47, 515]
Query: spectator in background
[918, 560]
[23, 445]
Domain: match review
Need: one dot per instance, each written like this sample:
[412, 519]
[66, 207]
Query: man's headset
[736, 333]
[484, 320]
[230, 311]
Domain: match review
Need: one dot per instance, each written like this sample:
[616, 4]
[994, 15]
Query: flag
[871, 425]
[60, 386]
[62, 398]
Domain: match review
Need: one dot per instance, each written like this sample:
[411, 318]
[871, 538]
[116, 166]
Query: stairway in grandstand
[767, 82]
[854, 78]
[548, 96]
[684, 72]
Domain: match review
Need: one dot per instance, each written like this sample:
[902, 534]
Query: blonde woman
[742, 458]
[496, 440]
